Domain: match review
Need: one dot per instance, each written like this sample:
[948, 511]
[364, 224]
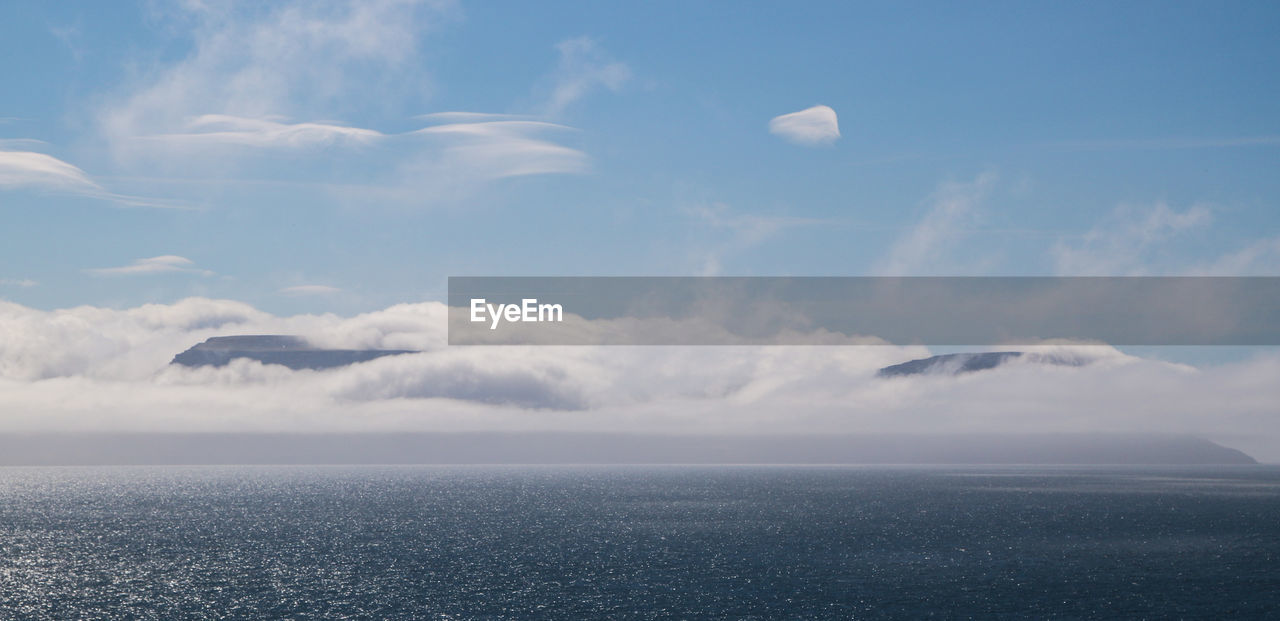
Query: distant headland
[291, 351]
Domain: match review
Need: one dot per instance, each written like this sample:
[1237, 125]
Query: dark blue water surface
[639, 542]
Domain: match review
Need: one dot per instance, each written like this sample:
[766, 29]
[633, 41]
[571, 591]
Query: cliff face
[290, 351]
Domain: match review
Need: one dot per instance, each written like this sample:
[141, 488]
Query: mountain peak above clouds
[969, 362]
[291, 351]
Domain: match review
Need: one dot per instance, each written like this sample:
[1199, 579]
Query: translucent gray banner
[938, 311]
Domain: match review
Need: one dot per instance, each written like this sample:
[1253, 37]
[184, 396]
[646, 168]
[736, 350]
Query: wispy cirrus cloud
[584, 66]
[744, 230]
[1122, 244]
[460, 116]
[164, 264]
[18, 282]
[222, 129]
[923, 249]
[20, 144]
[300, 59]
[1157, 144]
[30, 170]
[810, 127]
[474, 145]
[1140, 240]
[263, 78]
[498, 149]
[1257, 258]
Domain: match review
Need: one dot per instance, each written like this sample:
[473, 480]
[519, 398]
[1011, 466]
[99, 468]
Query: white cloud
[154, 265]
[27, 169]
[310, 290]
[221, 129]
[37, 171]
[1143, 240]
[88, 368]
[18, 282]
[458, 116]
[20, 144]
[451, 155]
[497, 149]
[265, 78]
[583, 67]
[922, 250]
[744, 230]
[1258, 258]
[809, 127]
[72, 38]
[1123, 243]
[302, 59]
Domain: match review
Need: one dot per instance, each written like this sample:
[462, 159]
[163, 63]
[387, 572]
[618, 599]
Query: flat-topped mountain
[291, 351]
[955, 364]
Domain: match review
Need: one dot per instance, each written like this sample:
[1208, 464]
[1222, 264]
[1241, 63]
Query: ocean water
[639, 542]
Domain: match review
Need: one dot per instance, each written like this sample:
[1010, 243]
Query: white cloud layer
[89, 368]
[810, 127]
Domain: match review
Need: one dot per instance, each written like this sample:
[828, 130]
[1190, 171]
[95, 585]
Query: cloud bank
[810, 127]
[90, 368]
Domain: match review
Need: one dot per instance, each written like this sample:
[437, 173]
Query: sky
[314, 157]
[312, 164]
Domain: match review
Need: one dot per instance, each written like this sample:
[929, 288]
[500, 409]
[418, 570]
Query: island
[956, 364]
[291, 351]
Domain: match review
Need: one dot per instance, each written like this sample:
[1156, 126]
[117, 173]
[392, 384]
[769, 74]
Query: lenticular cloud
[809, 127]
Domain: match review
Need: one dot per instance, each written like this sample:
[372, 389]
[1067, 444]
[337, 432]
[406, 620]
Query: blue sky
[294, 156]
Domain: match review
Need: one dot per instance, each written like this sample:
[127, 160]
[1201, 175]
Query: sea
[640, 542]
